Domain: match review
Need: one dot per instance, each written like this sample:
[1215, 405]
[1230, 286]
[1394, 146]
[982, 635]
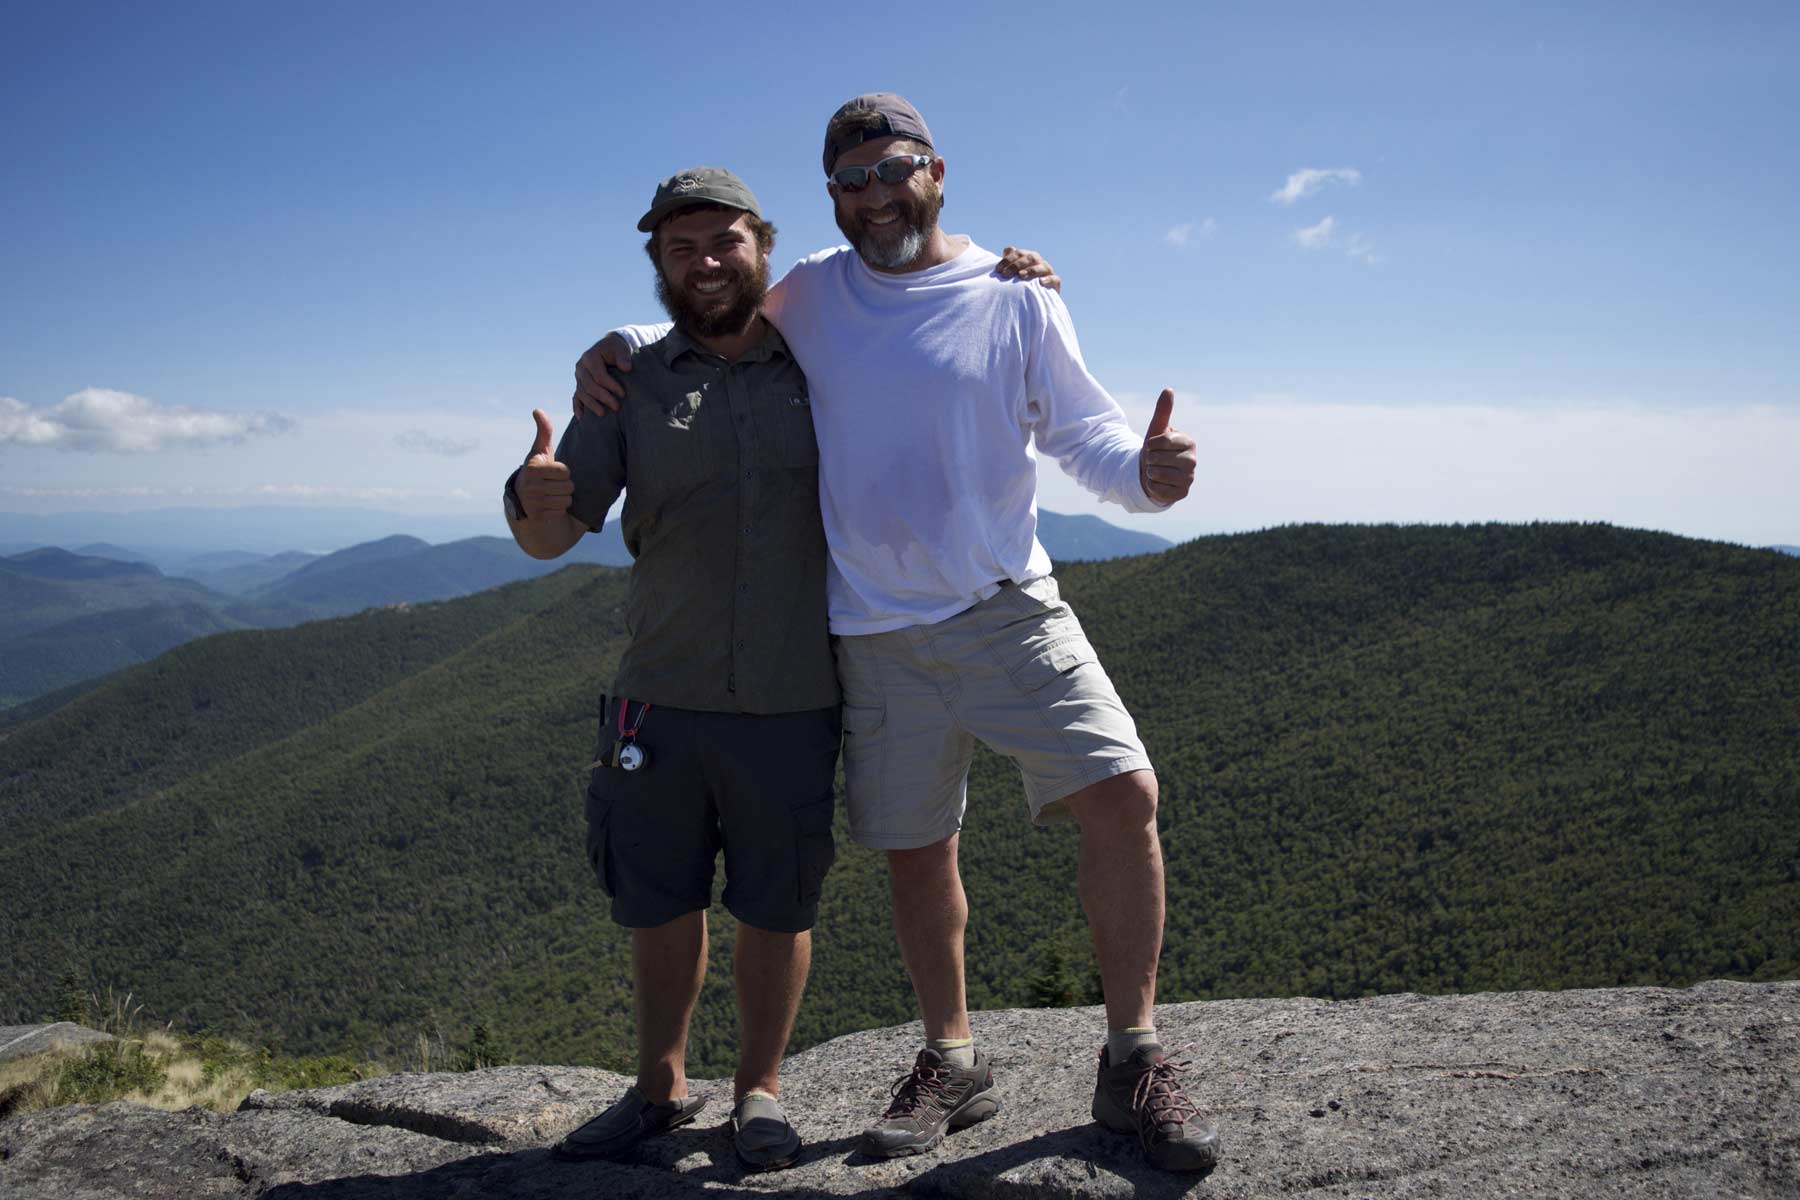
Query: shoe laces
[919, 1088]
[1159, 1099]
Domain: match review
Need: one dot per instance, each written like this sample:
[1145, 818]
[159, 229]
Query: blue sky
[1414, 262]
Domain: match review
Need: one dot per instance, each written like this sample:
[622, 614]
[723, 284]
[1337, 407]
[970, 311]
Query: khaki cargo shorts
[1014, 672]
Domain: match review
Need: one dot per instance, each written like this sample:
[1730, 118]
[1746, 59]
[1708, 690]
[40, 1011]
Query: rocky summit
[1634, 1092]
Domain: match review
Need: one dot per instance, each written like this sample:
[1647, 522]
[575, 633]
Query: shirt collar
[678, 343]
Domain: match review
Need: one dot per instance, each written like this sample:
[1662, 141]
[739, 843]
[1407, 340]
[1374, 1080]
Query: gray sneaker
[1142, 1096]
[934, 1097]
[767, 1141]
[625, 1124]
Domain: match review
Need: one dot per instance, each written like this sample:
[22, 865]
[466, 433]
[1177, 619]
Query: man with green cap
[722, 729]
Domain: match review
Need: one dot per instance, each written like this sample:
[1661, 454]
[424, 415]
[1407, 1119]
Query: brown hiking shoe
[1143, 1096]
[935, 1096]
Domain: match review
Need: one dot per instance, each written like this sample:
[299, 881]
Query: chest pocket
[672, 436]
[784, 412]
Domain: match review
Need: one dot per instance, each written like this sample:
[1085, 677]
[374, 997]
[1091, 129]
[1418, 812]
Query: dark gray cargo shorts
[759, 787]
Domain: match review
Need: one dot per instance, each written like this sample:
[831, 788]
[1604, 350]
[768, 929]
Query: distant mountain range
[69, 616]
[240, 573]
[1786, 549]
[171, 537]
[40, 589]
[1089, 539]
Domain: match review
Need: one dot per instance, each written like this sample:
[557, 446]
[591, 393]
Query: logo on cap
[686, 183]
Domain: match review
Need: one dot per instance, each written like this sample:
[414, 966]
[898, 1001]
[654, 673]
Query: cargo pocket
[814, 849]
[1038, 642]
[599, 841]
[1051, 663]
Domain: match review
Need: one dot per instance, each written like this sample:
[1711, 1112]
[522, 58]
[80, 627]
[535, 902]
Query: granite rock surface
[1638, 1092]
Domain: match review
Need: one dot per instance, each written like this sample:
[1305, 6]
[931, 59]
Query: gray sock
[1121, 1043]
[958, 1052]
[759, 1104]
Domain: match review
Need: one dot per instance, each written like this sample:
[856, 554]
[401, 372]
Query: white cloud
[1325, 235]
[100, 419]
[20, 426]
[336, 456]
[1357, 247]
[1308, 180]
[1181, 235]
[420, 441]
[1315, 237]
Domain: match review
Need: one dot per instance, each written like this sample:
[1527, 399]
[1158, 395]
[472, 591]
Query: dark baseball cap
[898, 119]
[698, 185]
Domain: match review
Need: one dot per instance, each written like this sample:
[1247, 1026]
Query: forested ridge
[1424, 758]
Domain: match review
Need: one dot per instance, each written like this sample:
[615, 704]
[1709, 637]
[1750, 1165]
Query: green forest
[1434, 759]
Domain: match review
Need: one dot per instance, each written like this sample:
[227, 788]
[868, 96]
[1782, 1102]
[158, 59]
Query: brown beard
[899, 245]
[693, 315]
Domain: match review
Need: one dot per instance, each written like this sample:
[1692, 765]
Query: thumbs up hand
[1167, 461]
[545, 489]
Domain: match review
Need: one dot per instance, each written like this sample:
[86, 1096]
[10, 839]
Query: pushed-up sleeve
[1071, 417]
[638, 336]
[593, 448]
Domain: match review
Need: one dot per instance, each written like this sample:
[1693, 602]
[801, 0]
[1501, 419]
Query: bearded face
[715, 301]
[891, 236]
[712, 270]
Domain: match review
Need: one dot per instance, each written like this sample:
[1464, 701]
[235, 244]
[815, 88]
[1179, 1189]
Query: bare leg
[930, 913]
[668, 962]
[771, 976]
[1121, 886]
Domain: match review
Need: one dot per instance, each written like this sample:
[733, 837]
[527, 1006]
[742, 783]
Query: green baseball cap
[698, 185]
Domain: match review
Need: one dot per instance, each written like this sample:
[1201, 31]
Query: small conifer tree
[1054, 984]
[71, 999]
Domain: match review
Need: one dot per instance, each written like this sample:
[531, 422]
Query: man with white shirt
[931, 379]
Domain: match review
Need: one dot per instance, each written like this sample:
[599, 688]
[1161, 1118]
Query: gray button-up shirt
[726, 601]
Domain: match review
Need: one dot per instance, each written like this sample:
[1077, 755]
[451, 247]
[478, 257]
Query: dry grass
[158, 1068]
[187, 1083]
[29, 1083]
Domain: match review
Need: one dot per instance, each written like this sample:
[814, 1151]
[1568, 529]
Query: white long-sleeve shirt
[929, 391]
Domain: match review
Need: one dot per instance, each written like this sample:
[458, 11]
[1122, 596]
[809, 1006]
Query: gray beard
[897, 246]
[896, 254]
